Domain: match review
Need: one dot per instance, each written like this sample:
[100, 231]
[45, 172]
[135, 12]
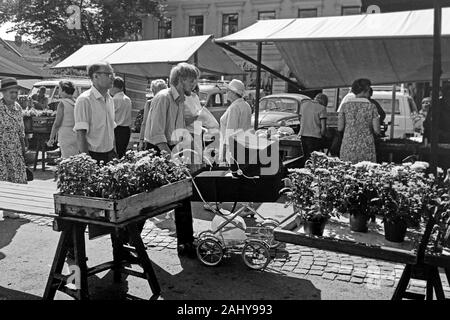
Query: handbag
[30, 176]
[335, 147]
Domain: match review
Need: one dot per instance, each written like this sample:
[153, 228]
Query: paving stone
[316, 272]
[345, 271]
[287, 268]
[313, 267]
[320, 263]
[359, 274]
[331, 270]
[329, 276]
[291, 263]
[304, 266]
[372, 275]
[343, 278]
[387, 283]
[301, 271]
[335, 261]
[357, 280]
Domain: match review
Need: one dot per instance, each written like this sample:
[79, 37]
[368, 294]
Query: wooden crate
[43, 124]
[117, 211]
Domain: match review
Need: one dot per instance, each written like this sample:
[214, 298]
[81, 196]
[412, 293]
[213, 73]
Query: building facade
[224, 17]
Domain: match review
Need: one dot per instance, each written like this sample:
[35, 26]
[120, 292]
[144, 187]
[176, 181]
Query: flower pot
[314, 228]
[395, 231]
[358, 222]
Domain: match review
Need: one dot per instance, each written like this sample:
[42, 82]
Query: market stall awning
[327, 52]
[12, 65]
[155, 58]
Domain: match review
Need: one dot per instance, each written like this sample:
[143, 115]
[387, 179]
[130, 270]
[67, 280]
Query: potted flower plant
[314, 194]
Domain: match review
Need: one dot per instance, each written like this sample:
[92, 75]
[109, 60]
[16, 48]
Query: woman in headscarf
[237, 117]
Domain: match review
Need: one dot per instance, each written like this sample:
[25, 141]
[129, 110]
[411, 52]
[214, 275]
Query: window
[349, 10]
[229, 24]
[196, 25]
[386, 104]
[266, 15]
[307, 13]
[165, 29]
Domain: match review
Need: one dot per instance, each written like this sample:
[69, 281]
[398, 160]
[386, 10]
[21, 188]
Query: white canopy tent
[155, 58]
[329, 52]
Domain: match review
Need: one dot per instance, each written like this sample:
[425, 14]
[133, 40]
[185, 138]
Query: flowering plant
[32, 112]
[314, 191]
[136, 172]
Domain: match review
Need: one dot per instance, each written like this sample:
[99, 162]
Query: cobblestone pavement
[303, 261]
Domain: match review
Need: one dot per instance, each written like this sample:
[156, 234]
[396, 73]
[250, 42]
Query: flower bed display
[402, 195]
[120, 189]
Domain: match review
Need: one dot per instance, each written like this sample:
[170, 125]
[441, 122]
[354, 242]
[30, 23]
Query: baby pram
[238, 183]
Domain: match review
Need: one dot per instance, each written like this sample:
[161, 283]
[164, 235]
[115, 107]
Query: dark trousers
[122, 135]
[103, 156]
[309, 145]
[183, 214]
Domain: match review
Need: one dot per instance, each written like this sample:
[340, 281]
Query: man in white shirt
[94, 115]
[122, 107]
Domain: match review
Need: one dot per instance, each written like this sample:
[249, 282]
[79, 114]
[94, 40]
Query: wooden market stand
[72, 215]
[419, 264]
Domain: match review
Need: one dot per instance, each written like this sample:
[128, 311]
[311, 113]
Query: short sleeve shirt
[95, 114]
[311, 112]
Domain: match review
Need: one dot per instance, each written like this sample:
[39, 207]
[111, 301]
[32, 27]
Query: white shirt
[95, 114]
[122, 107]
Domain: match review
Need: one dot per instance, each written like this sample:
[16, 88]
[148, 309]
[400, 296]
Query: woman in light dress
[63, 126]
[359, 120]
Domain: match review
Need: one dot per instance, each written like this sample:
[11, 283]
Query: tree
[102, 21]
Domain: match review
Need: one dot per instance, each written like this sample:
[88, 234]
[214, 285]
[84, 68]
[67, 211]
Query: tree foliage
[101, 21]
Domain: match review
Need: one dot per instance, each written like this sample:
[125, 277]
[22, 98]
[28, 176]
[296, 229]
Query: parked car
[52, 92]
[405, 112]
[280, 110]
[213, 95]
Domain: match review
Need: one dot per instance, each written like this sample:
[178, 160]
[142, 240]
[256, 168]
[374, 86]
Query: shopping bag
[207, 119]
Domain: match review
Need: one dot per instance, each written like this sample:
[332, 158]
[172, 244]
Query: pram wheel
[271, 224]
[256, 254]
[209, 251]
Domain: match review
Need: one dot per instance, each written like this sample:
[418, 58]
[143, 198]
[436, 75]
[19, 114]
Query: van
[405, 112]
[52, 92]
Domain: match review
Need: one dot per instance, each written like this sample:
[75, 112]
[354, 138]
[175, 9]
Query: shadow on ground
[8, 229]
[231, 280]
[8, 294]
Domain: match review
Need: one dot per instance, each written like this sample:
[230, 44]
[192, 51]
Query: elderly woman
[358, 120]
[12, 135]
[237, 117]
[155, 87]
[65, 121]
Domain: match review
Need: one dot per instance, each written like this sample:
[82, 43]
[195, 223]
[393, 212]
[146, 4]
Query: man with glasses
[94, 115]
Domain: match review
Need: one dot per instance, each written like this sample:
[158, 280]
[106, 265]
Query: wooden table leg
[37, 154]
[80, 260]
[403, 283]
[117, 245]
[58, 263]
[437, 283]
[146, 264]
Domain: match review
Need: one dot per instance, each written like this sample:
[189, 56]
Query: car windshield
[279, 104]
